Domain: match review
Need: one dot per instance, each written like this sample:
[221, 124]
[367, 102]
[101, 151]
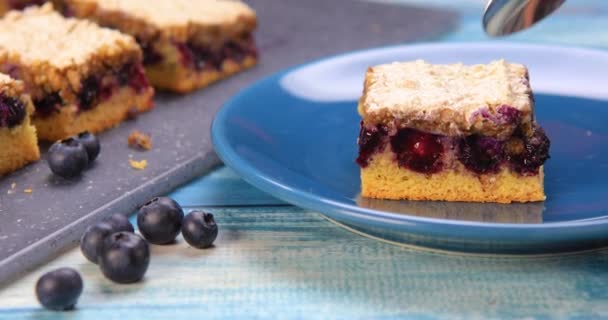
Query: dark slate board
[35, 227]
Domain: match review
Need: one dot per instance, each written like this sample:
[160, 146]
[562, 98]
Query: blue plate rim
[322, 205]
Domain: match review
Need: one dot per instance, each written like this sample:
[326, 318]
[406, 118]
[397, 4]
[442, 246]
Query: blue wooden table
[276, 261]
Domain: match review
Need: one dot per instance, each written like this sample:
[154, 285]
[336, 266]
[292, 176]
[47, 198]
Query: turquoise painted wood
[222, 188]
[280, 262]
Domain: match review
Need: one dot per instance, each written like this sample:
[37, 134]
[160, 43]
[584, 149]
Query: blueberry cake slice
[187, 44]
[18, 142]
[81, 77]
[450, 132]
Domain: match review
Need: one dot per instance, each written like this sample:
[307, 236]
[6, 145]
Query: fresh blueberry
[90, 143]
[68, 158]
[59, 289]
[160, 220]
[199, 229]
[93, 239]
[119, 223]
[124, 258]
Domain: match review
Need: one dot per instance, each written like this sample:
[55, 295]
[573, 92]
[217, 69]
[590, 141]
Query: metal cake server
[503, 17]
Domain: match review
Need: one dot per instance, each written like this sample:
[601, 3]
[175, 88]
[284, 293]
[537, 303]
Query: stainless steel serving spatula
[503, 17]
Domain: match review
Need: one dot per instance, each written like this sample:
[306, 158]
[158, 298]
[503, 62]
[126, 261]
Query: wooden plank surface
[278, 263]
[224, 188]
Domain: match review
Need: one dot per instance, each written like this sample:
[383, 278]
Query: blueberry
[119, 222]
[418, 151]
[480, 154]
[535, 153]
[371, 140]
[89, 93]
[90, 143]
[68, 158]
[12, 112]
[160, 220]
[48, 104]
[199, 229]
[59, 289]
[124, 258]
[92, 240]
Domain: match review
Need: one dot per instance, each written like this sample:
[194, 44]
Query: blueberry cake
[187, 44]
[18, 142]
[81, 77]
[450, 132]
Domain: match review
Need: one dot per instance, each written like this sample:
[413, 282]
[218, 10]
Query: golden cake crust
[384, 179]
[183, 80]
[68, 121]
[446, 99]
[206, 21]
[51, 53]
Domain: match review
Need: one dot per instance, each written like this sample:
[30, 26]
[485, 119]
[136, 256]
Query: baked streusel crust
[209, 21]
[453, 99]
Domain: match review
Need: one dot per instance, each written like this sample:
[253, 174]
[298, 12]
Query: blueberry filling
[94, 90]
[12, 112]
[504, 116]
[508, 115]
[134, 76]
[151, 55]
[89, 93]
[200, 57]
[418, 151]
[370, 141]
[530, 154]
[48, 104]
[480, 154]
[425, 152]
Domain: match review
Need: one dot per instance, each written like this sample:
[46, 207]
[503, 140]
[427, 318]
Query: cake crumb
[13, 186]
[138, 165]
[140, 140]
[28, 191]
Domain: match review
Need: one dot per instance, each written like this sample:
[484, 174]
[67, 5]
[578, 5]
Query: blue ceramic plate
[294, 136]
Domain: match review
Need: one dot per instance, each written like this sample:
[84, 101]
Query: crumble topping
[43, 36]
[175, 19]
[138, 165]
[10, 87]
[140, 140]
[448, 99]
